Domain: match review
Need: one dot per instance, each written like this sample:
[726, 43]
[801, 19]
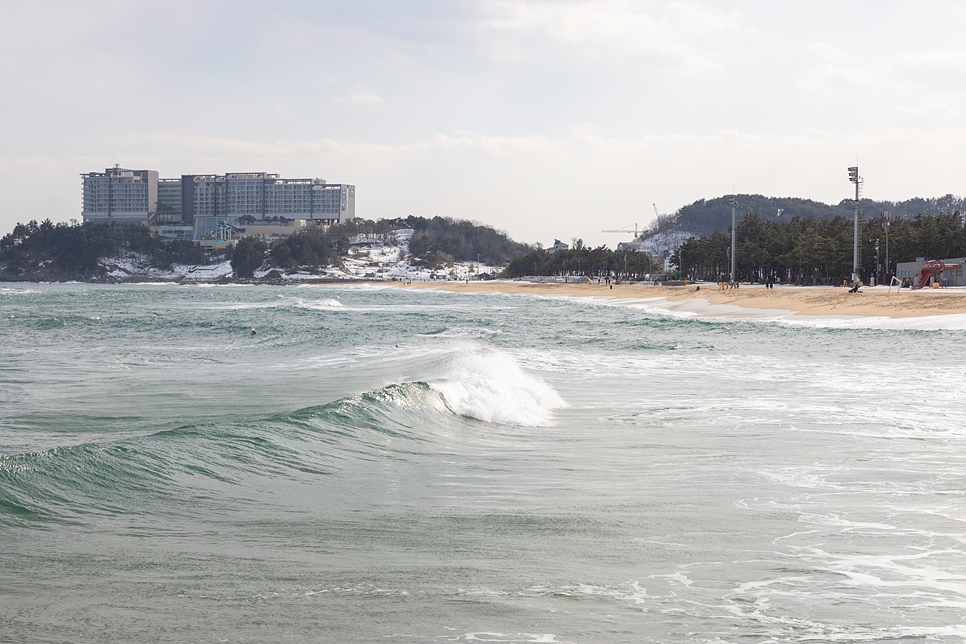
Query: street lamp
[733, 202]
[888, 220]
[876, 277]
[857, 180]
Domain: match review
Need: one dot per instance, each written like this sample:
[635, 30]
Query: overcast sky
[547, 119]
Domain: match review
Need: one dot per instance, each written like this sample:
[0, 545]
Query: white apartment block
[119, 195]
[262, 195]
[125, 195]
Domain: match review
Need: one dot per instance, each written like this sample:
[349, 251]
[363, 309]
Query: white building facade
[119, 195]
[128, 196]
[261, 195]
[952, 273]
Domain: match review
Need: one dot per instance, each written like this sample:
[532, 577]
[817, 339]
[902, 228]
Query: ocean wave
[318, 305]
[17, 291]
[400, 410]
[472, 382]
[490, 386]
[462, 332]
[61, 484]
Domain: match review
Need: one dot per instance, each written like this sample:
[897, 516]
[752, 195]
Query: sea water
[390, 465]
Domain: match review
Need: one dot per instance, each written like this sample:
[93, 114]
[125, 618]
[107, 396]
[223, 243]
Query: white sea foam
[243, 307]
[950, 322]
[508, 637]
[491, 387]
[17, 291]
[318, 305]
[703, 309]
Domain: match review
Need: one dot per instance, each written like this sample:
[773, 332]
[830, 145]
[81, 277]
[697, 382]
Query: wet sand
[801, 300]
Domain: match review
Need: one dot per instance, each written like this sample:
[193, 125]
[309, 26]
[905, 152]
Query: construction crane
[656, 213]
[622, 231]
[636, 234]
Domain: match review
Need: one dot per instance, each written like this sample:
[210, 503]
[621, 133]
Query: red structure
[930, 269]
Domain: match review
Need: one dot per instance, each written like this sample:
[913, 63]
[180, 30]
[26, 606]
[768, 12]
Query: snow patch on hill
[371, 257]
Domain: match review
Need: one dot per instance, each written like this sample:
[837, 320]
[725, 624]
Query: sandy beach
[800, 300]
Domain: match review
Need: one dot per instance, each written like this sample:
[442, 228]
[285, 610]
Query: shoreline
[746, 302]
[815, 301]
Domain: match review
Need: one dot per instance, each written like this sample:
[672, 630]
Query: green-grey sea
[389, 465]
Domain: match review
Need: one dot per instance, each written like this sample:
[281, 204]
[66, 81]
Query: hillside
[87, 252]
[707, 216]
[410, 248]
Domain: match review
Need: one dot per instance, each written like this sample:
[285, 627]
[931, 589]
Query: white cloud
[829, 78]
[603, 30]
[824, 51]
[501, 146]
[358, 95]
[939, 69]
[686, 98]
[834, 70]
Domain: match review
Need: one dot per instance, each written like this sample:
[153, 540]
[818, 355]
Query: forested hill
[57, 252]
[52, 252]
[707, 216]
[462, 240]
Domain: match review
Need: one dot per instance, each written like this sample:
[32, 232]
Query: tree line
[804, 250]
[71, 251]
[582, 262]
[434, 242]
[819, 251]
[706, 216]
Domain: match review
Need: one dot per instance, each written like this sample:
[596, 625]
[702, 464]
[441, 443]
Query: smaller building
[952, 275]
[636, 246]
[268, 231]
[172, 232]
[558, 245]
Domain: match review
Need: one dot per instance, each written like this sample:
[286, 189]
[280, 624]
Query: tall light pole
[888, 217]
[857, 180]
[877, 266]
[733, 203]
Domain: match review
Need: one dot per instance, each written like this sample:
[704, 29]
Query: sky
[546, 119]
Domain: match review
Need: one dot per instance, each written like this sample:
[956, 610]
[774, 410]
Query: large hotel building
[139, 196]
